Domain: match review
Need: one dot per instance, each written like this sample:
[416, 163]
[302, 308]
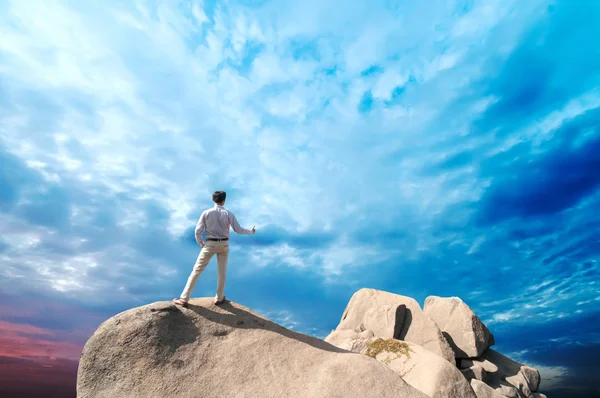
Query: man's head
[219, 197]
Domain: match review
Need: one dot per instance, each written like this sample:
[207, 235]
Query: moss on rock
[392, 346]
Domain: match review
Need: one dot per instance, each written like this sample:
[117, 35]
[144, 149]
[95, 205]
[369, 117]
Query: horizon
[420, 148]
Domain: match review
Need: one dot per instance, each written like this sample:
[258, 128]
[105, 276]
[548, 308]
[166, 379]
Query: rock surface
[482, 390]
[415, 327]
[475, 372]
[350, 340]
[485, 364]
[506, 390]
[427, 372]
[160, 350]
[385, 321]
[464, 331]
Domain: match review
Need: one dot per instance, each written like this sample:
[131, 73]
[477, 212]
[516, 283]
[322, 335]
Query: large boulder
[421, 368]
[161, 350]
[410, 323]
[465, 332]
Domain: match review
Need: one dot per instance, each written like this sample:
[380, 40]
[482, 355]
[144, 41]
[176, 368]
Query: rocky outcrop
[444, 322]
[506, 377]
[502, 375]
[524, 378]
[408, 324]
[463, 330]
[384, 346]
[160, 350]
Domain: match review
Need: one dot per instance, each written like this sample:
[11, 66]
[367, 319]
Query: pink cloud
[19, 340]
[41, 312]
[37, 360]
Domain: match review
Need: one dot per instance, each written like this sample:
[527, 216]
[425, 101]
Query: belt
[217, 240]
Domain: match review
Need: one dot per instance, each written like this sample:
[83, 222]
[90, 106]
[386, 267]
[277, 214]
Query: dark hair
[219, 196]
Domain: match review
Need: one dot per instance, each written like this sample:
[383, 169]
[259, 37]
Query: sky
[447, 148]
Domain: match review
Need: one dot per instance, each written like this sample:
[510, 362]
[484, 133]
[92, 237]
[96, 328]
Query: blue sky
[444, 148]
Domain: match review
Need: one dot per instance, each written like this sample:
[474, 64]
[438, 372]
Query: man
[216, 222]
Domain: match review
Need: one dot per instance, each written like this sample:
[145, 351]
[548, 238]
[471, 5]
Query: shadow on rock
[406, 324]
[169, 330]
[458, 352]
[242, 319]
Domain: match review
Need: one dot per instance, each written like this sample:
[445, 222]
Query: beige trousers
[221, 249]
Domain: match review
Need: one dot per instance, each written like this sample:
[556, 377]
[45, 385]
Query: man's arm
[200, 226]
[237, 228]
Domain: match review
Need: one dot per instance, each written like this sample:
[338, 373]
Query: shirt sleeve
[236, 226]
[200, 226]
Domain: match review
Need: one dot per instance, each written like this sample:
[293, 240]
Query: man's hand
[253, 229]
[202, 244]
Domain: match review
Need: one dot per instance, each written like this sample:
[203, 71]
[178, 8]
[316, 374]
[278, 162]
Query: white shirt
[216, 222]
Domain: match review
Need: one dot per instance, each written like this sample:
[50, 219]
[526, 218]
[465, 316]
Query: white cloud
[338, 258]
[276, 255]
[284, 318]
[162, 104]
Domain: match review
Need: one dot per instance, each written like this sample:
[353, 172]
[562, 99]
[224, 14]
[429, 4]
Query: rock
[503, 371]
[464, 331]
[337, 336]
[507, 391]
[474, 372]
[484, 363]
[350, 340]
[538, 395]
[526, 379]
[416, 327]
[482, 390]
[532, 377]
[520, 386]
[161, 350]
[422, 369]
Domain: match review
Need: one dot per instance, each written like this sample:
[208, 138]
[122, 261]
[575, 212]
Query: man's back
[217, 221]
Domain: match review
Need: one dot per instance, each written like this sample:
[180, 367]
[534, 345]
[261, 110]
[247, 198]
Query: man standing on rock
[216, 222]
